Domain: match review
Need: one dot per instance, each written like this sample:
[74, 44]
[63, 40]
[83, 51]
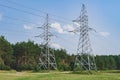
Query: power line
[9, 23]
[15, 24]
[24, 11]
[67, 41]
[18, 4]
[10, 28]
[21, 32]
[13, 31]
[22, 20]
[2, 22]
[27, 12]
[21, 11]
[107, 41]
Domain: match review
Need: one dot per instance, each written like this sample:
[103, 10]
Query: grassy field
[101, 75]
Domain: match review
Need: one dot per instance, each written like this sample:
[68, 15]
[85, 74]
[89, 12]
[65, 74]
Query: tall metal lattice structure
[84, 58]
[47, 58]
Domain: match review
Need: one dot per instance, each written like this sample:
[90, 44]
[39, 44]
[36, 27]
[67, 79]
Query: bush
[36, 68]
[77, 68]
[64, 67]
[25, 67]
[33, 67]
[4, 67]
[71, 66]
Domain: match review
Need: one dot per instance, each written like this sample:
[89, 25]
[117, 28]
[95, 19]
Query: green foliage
[117, 61]
[77, 68]
[106, 62]
[6, 51]
[71, 65]
[25, 56]
[36, 68]
[4, 67]
[64, 67]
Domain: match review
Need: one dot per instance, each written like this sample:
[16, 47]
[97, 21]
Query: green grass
[55, 75]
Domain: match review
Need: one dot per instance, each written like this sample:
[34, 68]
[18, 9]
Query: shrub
[4, 67]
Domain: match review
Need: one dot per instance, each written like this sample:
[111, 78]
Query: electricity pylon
[84, 58]
[47, 59]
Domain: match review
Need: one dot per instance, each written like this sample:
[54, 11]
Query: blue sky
[104, 17]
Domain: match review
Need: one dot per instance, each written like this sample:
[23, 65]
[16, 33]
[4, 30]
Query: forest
[24, 56]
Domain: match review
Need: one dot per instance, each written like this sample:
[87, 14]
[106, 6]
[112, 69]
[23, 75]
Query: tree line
[25, 56]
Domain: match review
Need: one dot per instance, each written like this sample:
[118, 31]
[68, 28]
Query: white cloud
[1, 17]
[76, 24]
[56, 46]
[58, 27]
[68, 27]
[27, 27]
[63, 30]
[104, 34]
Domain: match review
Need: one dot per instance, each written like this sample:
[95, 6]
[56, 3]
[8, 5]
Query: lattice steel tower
[47, 58]
[84, 58]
